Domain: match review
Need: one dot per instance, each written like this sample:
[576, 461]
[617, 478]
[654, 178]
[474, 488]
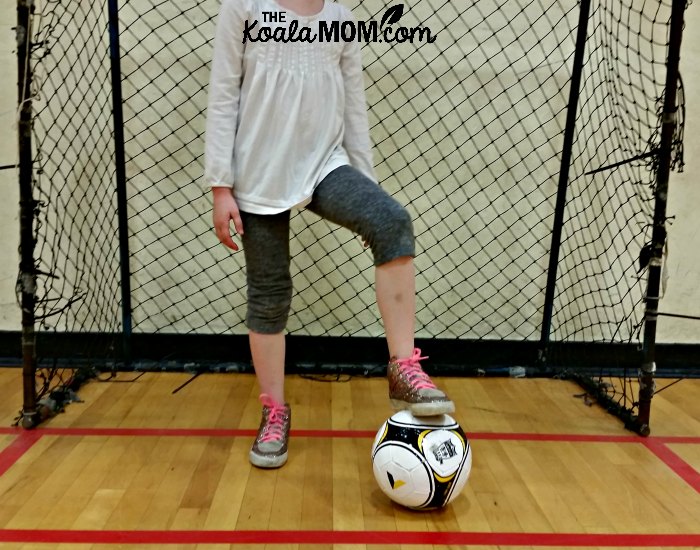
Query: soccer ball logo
[445, 450]
[421, 462]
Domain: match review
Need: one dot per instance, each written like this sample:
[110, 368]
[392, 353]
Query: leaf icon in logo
[392, 15]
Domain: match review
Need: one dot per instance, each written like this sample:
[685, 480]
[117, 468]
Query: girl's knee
[268, 310]
[394, 239]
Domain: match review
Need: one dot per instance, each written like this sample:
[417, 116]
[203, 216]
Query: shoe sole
[424, 409]
[262, 461]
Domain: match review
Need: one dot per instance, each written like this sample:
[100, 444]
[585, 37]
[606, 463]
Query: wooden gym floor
[138, 466]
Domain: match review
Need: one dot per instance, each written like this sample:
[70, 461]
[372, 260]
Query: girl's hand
[226, 210]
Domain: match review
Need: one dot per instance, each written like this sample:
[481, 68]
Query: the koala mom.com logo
[386, 30]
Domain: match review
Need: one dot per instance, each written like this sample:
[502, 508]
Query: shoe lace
[274, 427]
[411, 369]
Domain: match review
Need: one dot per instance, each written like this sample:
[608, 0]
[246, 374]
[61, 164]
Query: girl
[287, 128]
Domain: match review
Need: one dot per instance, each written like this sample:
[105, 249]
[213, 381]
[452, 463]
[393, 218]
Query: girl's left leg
[350, 199]
[395, 285]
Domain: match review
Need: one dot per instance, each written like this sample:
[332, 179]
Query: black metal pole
[569, 130]
[120, 172]
[27, 273]
[658, 236]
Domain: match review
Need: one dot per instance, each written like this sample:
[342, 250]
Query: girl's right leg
[266, 249]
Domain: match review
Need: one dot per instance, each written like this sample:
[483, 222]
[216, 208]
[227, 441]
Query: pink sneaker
[411, 389]
[270, 447]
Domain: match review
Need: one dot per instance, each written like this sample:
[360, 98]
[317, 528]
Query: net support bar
[669, 122]
[569, 131]
[26, 283]
[120, 172]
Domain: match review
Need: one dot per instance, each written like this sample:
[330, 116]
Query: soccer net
[469, 133]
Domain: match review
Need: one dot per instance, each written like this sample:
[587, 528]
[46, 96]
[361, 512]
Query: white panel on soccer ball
[401, 475]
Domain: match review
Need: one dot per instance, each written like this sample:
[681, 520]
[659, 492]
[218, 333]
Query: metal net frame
[525, 141]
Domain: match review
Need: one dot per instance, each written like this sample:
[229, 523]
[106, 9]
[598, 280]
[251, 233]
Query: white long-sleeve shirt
[282, 116]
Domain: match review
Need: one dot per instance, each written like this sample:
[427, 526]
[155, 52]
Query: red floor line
[574, 438]
[347, 537]
[224, 432]
[15, 450]
[684, 470]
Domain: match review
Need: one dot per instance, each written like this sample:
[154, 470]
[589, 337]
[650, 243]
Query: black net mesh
[74, 168]
[610, 195]
[468, 134]
[76, 256]
[609, 212]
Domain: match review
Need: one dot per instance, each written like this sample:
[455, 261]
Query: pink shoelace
[274, 429]
[411, 369]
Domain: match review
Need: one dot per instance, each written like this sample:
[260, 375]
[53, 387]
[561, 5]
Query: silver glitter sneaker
[411, 389]
[270, 447]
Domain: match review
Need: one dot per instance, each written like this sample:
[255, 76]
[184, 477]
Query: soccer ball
[421, 462]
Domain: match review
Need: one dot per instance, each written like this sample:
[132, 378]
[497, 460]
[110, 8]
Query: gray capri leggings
[345, 197]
